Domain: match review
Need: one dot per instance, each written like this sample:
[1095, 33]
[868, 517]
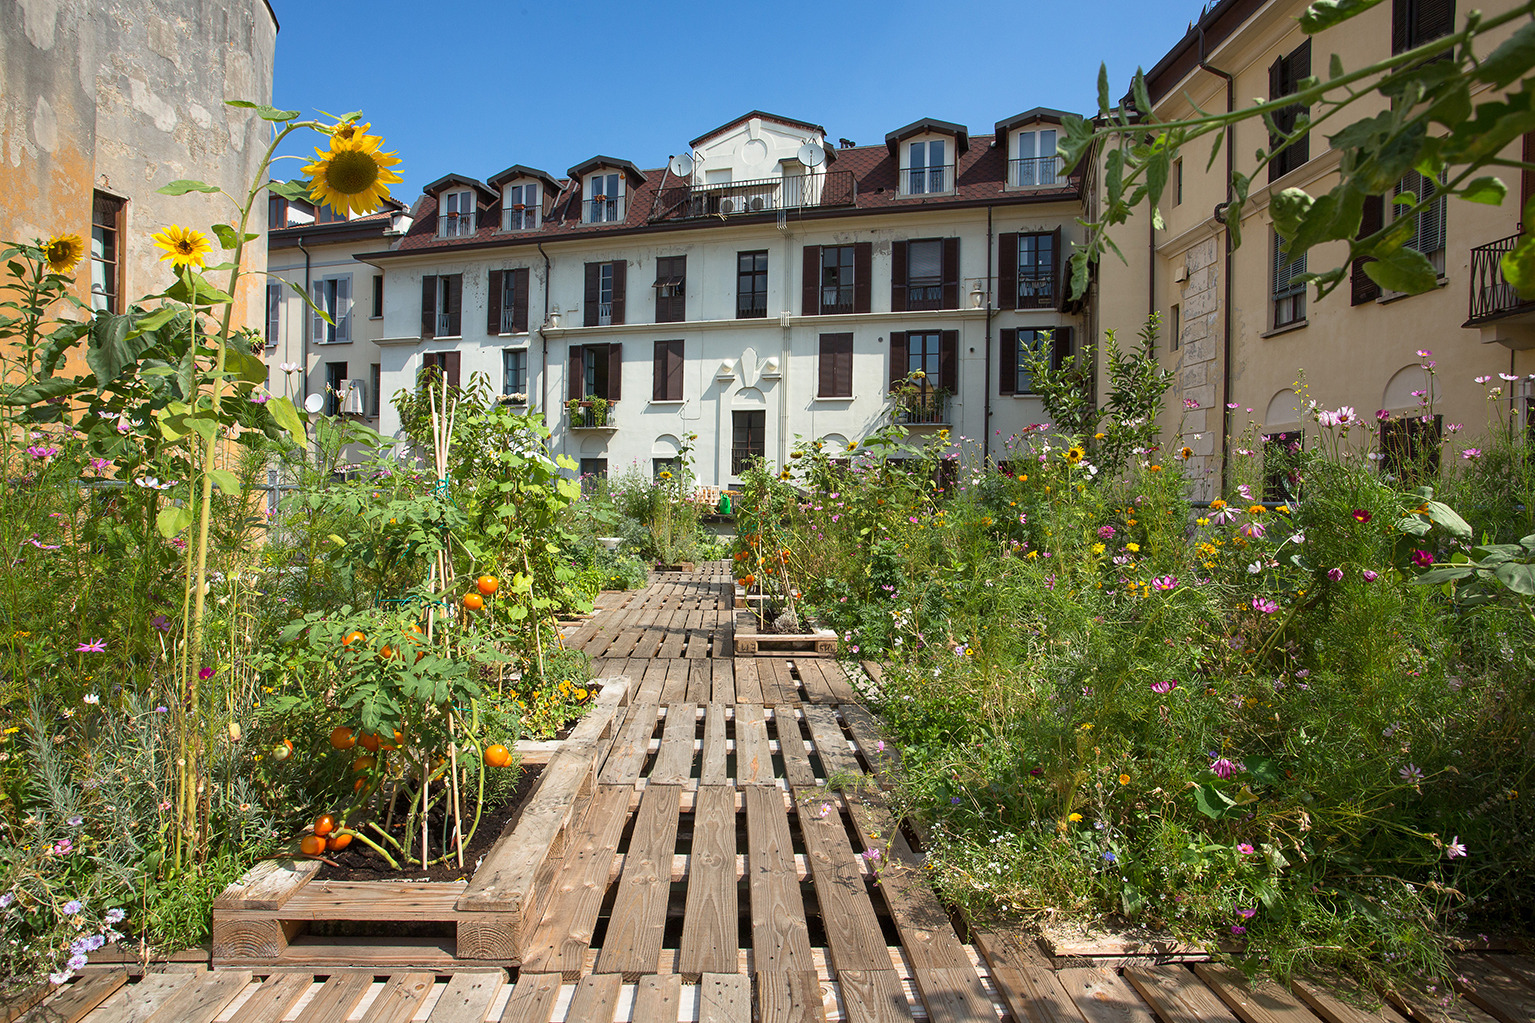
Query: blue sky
[471, 87]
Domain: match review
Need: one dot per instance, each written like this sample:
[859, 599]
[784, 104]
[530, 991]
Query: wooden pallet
[751, 643]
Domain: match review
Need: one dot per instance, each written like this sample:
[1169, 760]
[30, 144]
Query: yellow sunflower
[1186, 454]
[1074, 454]
[352, 176]
[63, 251]
[182, 246]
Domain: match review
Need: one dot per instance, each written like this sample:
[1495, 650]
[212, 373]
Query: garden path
[732, 859]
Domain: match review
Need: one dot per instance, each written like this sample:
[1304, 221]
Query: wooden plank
[954, 995]
[1495, 992]
[709, 932]
[1520, 967]
[748, 684]
[1266, 1002]
[676, 635]
[532, 999]
[873, 996]
[791, 746]
[1321, 997]
[674, 762]
[467, 997]
[337, 997]
[268, 885]
[1439, 1006]
[273, 999]
[812, 678]
[836, 755]
[842, 690]
[596, 998]
[401, 996]
[883, 758]
[713, 765]
[560, 942]
[370, 900]
[654, 683]
[204, 1000]
[852, 927]
[754, 760]
[778, 681]
[1102, 997]
[722, 688]
[631, 746]
[793, 997]
[658, 999]
[135, 1003]
[635, 929]
[780, 940]
[725, 633]
[700, 681]
[1177, 995]
[1030, 991]
[72, 1003]
[675, 688]
[724, 998]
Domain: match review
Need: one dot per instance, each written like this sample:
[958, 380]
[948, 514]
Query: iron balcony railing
[1034, 170]
[836, 298]
[520, 218]
[927, 180]
[457, 225]
[445, 325]
[922, 409]
[585, 416]
[508, 318]
[1036, 290]
[1491, 294]
[761, 195]
[602, 210]
[742, 456]
[924, 293]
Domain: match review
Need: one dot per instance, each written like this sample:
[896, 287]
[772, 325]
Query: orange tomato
[417, 629]
[324, 824]
[362, 765]
[497, 756]
[369, 742]
[473, 601]
[343, 738]
[336, 843]
[488, 584]
[359, 784]
[352, 637]
[312, 845]
[386, 652]
[283, 750]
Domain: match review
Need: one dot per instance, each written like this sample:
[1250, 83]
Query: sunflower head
[1186, 454]
[63, 251]
[352, 176]
[1074, 454]
[182, 246]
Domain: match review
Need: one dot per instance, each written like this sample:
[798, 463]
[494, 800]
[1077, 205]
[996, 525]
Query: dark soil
[359, 863]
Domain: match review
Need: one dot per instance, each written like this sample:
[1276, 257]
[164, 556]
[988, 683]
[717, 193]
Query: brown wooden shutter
[1007, 271]
[948, 361]
[836, 366]
[1400, 35]
[575, 381]
[1007, 377]
[897, 357]
[1276, 90]
[898, 270]
[1297, 68]
[1060, 346]
[1057, 286]
[615, 371]
[1361, 288]
[951, 273]
[661, 372]
[810, 286]
[1526, 175]
[593, 293]
[620, 287]
[675, 361]
[455, 305]
[844, 371]
[520, 301]
[429, 306]
[452, 359]
[863, 261]
[493, 304]
[1435, 18]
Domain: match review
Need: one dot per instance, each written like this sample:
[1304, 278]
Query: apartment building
[1249, 345]
[766, 284]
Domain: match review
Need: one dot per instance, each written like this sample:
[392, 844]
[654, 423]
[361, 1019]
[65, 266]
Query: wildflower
[1165, 582]
[1509, 377]
[114, 916]
[1422, 559]
[1097, 548]
[63, 251]
[1245, 848]
[1074, 454]
[1105, 532]
[1247, 914]
[6, 900]
[72, 907]
[1454, 849]
[182, 246]
[1335, 574]
[1224, 767]
[1124, 779]
[1110, 858]
[1190, 404]
[1412, 774]
[1361, 516]
[95, 646]
[91, 698]
[1253, 530]
[1186, 453]
[1164, 687]
[74, 820]
[1074, 817]
[161, 622]
[872, 855]
[1238, 929]
[1471, 454]
[1369, 576]
[1133, 548]
[205, 673]
[1264, 605]
[352, 176]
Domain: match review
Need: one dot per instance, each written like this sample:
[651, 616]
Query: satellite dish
[811, 155]
[682, 165]
[314, 403]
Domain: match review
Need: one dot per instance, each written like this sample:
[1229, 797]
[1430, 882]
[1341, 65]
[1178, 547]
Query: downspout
[1220, 216]
[303, 333]
[543, 367]
[986, 378]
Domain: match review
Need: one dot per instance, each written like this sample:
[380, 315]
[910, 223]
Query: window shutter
[429, 306]
[344, 308]
[1361, 288]
[593, 293]
[1400, 32]
[843, 380]
[620, 287]
[316, 321]
[455, 304]
[948, 361]
[1436, 18]
[1007, 271]
[897, 357]
[493, 303]
[1526, 174]
[1281, 119]
[836, 366]
[660, 370]
[863, 259]
[674, 364]
[1057, 286]
[951, 273]
[1297, 67]
[575, 378]
[452, 359]
[520, 301]
[615, 371]
[273, 313]
[1060, 346]
[898, 269]
[810, 286]
[1007, 378]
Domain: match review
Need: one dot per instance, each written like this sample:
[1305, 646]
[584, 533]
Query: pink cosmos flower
[1164, 687]
[95, 646]
[1335, 574]
[1247, 914]
[1382, 414]
[1361, 516]
[1471, 454]
[1224, 767]
[1422, 559]
[1370, 576]
[1245, 848]
[1253, 530]
[1238, 929]
[1264, 605]
[1165, 582]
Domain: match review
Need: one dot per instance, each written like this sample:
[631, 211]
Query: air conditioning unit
[729, 205]
[758, 204]
[353, 397]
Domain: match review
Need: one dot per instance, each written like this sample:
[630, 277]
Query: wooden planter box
[749, 642]
[262, 919]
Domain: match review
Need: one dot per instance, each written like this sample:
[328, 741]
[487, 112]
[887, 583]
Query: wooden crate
[751, 643]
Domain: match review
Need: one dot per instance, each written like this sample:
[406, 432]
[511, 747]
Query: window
[273, 314]
[605, 286]
[445, 366]
[671, 466]
[1017, 345]
[1285, 76]
[520, 207]
[836, 278]
[1415, 22]
[457, 217]
[667, 375]
[671, 289]
[1034, 159]
[378, 297]
[748, 439]
[595, 371]
[333, 296]
[106, 254]
[604, 198]
[1178, 182]
[335, 382]
[376, 382]
[514, 373]
[325, 214]
[276, 212]
[1372, 218]
[1409, 448]
[592, 470]
[442, 305]
[1281, 465]
[836, 366]
[1288, 295]
[926, 169]
[1175, 328]
[935, 354]
[507, 310]
[751, 284]
[837, 274]
[924, 274]
[1428, 232]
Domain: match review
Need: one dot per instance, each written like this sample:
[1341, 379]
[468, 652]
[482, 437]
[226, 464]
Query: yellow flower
[352, 176]
[1074, 454]
[852, 445]
[1283, 509]
[182, 247]
[1097, 548]
[1186, 454]
[1074, 817]
[1201, 521]
[1087, 726]
[1133, 548]
[63, 251]
[1099, 436]
[1256, 509]
[1124, 779]
[1033, 554]
[1217, 504]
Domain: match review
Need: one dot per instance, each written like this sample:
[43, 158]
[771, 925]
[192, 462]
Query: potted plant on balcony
[599, 408]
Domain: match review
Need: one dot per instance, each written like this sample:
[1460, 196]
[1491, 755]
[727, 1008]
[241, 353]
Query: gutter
[303, 330]
[1220, 217]
[986, 378]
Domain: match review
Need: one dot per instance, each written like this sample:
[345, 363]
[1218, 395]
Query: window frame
[671, 287]
[1435, 216]
[1037, 299]
[758, 276]
[921, 176]
[750, 424]
[511, 372]
[613, 207]
[1285, 75]
[513, 219]
[457, 218]
[667, 371]
[107, 216]
[839, 306]
[333, 382]
[375, 384]
[1027, 171]
[329, 294]
[1287, 302]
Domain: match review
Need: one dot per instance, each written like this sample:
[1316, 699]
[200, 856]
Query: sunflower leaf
[173, 518]
[226, 235]
[298, 188]
[286, 417]
[181, 186]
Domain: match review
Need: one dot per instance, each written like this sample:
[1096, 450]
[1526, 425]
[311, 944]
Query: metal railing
[1036, 291]
[742, 456]
[759, 195]
[457, 225]
[1031, 171]
[924, 293]
[520, 218]
[508, 318]
[837, 299]
[603, 210]
[586, 417]
[1491, 294]
[927, 180]
[923, 409]
[445, 326]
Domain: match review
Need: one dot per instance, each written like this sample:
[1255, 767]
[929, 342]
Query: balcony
[762, 195]
[927, 180]
[927, 408]
[1492, 296]
[1036, 290]
[591, 414]
[509, 318]
[742, 456]
[836, 298]
[520, 218]
[1035, 172]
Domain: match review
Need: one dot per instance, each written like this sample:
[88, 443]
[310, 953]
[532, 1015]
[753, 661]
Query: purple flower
[1105, 532]
[1370, 576]
[872, 855]
[205, 673]
[1165, 582]
[161, 622]
[1110, 857]
[72, 907]
[6, 900]
[101, 464]
[1412, 774]
[114, 916]
[1245, 848]
[1264, 605]
[1471, 454]
[77, 961]
[1238, 929]
[1253, 530]
[1361, 516]
[1247, 914]
[95, 646]
[1224, 767]
[74, 820]
[1422, 559]
[1335, 574]
[1164, 687]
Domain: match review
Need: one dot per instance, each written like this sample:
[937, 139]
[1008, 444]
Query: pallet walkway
[732, 859]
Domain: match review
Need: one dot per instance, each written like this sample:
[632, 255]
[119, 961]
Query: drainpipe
[1220, 216]
[543, 366]
[303, 333]
[986, 378]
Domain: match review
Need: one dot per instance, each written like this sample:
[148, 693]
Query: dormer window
[604, 198]
[457, 216]
[927, 168]
[520, 205]
[1034, 161]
